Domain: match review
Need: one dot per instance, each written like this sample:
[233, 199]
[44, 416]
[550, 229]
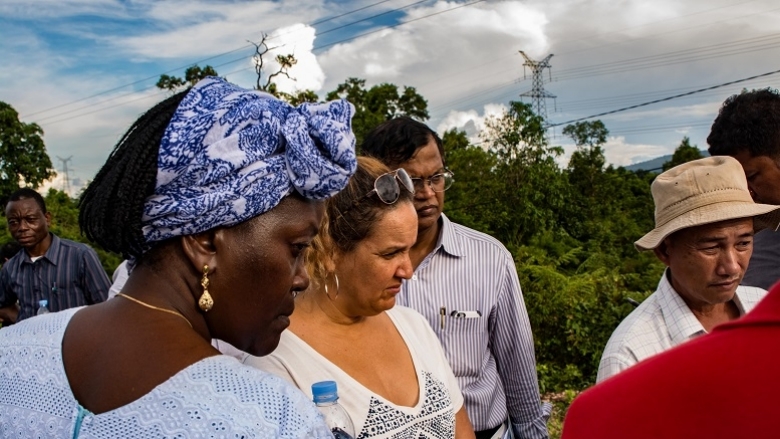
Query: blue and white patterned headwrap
[230, 154]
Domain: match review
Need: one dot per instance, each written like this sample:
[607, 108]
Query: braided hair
[111, 208]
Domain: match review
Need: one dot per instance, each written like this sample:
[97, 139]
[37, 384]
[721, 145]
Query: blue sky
[85, 69]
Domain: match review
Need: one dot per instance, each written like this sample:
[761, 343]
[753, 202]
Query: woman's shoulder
[402, 315]
[220, 388]
[33, 346]
[232, 379]
[45, 329]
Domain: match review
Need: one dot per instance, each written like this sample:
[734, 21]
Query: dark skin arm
[9, 313]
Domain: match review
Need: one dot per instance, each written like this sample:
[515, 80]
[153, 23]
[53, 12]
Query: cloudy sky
[85, 69]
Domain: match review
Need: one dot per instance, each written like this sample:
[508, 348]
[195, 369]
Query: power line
[665, 99]
[686, 28]
[243, 58]
[629, 99]
[676, 57]
[601, 34]
[399, 24]
[198, 62]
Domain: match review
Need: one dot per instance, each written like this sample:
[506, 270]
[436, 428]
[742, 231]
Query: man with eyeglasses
[466, 285]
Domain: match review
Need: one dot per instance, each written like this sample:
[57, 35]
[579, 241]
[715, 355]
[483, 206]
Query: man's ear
[47, 215]
[201, 250]
[662, 252]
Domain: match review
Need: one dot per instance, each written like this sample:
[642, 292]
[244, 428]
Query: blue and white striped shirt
[492, 355]
[68, 275]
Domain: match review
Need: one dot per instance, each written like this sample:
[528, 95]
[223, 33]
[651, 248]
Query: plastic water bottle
[43, 307]
[326, 398]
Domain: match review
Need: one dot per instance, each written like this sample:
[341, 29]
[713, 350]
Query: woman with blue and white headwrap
[214, 195]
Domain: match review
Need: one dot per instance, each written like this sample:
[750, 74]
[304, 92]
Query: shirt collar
[680, 320]
[51, 254]
[448, 239]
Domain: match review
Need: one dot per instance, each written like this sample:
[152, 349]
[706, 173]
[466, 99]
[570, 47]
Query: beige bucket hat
[704, 191]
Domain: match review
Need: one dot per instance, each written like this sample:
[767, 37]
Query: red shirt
[722, 385]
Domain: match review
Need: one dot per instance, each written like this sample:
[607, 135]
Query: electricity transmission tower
[66, 177]
[537, 93]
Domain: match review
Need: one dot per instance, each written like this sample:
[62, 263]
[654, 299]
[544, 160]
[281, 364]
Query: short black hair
[26, 193]
[111, 207]
[395, 141]
[748, 121]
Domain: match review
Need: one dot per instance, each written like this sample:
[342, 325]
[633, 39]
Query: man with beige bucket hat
[705, 219]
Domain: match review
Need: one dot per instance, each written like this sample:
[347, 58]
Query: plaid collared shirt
[661, 322]
[68, 275]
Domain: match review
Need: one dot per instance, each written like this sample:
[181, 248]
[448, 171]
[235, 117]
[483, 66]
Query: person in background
[65, 273]
[748, 129]
[213, 194]
[704, 225]
[393, 378]
[8, 251]
[465, 284]
[118, 279]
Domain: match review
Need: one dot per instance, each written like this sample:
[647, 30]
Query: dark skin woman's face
[260, 264]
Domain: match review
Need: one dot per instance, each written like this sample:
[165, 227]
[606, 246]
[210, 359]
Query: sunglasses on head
[387, 189]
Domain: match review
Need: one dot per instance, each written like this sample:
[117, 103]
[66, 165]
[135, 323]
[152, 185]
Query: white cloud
[192, 30]
[464, 61]
[470, 121]
[619, 152]
[297, 40]
[24, 9]
[441, 54]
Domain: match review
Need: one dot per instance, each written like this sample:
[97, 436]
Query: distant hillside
[656, 164]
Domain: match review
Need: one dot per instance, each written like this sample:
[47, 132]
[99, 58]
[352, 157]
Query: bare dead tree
[285, 62]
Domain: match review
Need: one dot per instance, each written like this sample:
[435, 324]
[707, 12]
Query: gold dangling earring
[336, 276]
[205, 302]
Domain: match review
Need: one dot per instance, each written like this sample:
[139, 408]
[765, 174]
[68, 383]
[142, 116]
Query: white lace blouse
[216, 397]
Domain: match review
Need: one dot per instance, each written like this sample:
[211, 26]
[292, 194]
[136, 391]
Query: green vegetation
[571, 230]
[23, 156]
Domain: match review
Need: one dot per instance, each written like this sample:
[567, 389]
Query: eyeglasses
[438, 182]
[386, 188]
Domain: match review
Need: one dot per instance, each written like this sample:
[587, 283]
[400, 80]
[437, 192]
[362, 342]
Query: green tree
[65, 224]
[454, 140]
[379, 103]
[683, 154]
[534, 187]
[587, 134]
[299, 97]
[586, 176]
[192, 75]
[23, 157]
[475, 197]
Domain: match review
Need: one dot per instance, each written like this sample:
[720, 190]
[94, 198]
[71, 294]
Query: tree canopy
[379, 103]
[192, 75]
[23, 156]
[683, 154]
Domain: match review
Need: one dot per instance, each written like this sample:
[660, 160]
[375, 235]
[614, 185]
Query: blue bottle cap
[325, 391]
[43, 302]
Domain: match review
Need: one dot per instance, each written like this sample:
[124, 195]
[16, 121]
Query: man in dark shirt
[64, 273]
[748, 129]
